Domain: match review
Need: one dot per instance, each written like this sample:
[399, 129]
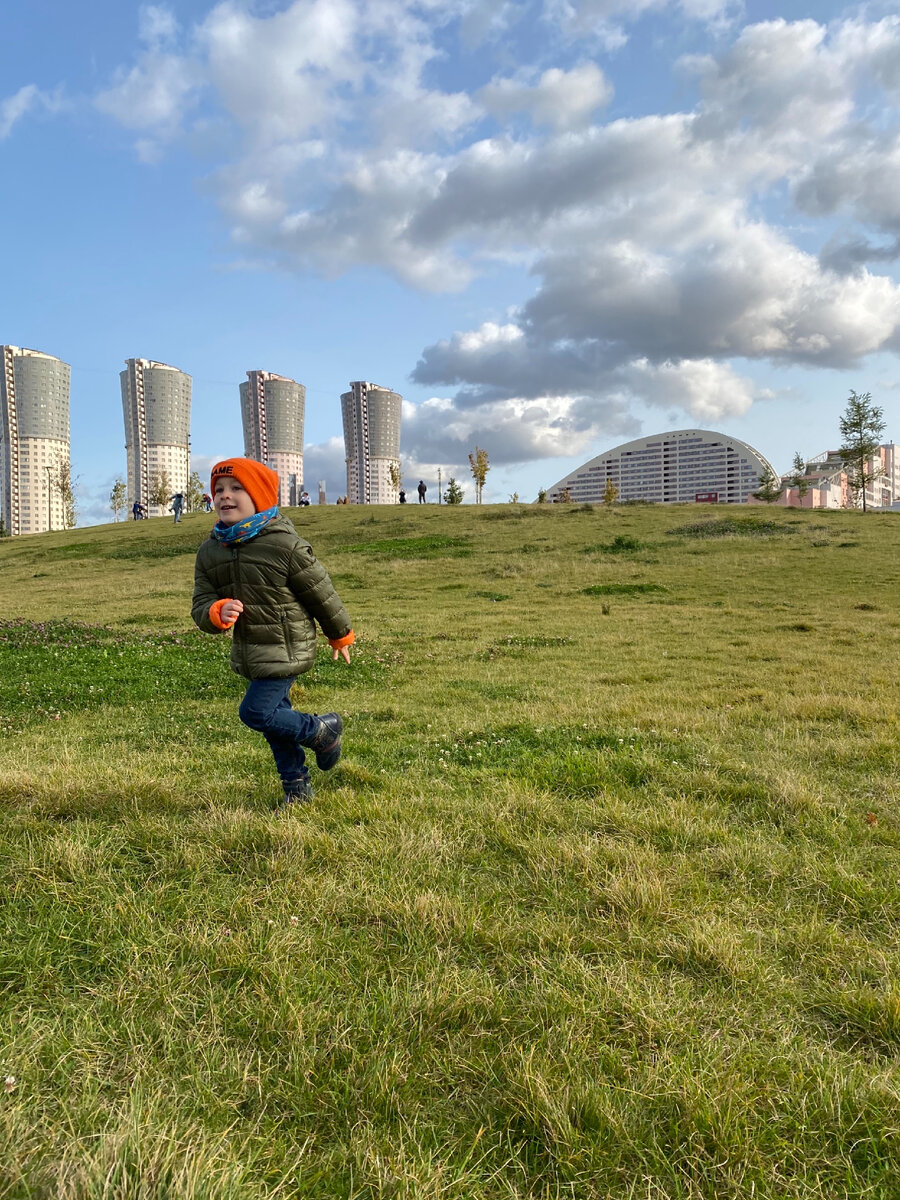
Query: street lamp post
[439, 485]
[49, 502]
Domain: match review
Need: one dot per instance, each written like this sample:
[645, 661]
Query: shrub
[730, 527]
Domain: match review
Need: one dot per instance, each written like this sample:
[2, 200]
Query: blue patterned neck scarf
[243, 531]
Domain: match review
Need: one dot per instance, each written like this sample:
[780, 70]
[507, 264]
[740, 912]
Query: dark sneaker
[327, 741]
[297, 793]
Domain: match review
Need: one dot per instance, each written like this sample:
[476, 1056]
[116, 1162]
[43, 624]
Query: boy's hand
[230, 611]
[344, 652]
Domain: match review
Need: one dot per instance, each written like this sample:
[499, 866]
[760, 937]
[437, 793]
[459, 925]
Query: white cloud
[605, 21]
[515, 430]
[561, 99]
[156, 24]
[781, 78]
[662, 247]
[750, 293]
[707, 390]
[152, 97]
[325, 461]
[859, 177]
[277, 75]
[19, 104]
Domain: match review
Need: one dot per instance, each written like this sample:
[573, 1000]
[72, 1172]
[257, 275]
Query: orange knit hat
[258, 481]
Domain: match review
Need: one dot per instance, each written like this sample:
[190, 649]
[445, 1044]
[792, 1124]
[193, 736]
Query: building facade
[826, 484]
[684, 465]
[34, 440]
[371, 416]
[273, 408]
[156, 404]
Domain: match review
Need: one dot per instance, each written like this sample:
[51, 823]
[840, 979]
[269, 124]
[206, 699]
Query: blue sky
[552, 226]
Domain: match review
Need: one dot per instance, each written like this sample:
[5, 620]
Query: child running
[255, 574]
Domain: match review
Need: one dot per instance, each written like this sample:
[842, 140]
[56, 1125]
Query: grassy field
[602, 901]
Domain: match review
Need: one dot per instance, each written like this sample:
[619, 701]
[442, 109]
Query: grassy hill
[602, 900]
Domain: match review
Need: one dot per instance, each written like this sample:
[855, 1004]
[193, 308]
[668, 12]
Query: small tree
[454, 492]
[798, 479]
[610, 492]
[565, 497]
[770, 487]
[61, 479]
[542, 496]
[395, 475]
[118, 498]
[4, 532]
[160, 489]
[862, 427]
[480, 464]
[193, 497]
[514, 497]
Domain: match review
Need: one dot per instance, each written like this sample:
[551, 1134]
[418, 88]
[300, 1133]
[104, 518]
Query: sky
[552, 225]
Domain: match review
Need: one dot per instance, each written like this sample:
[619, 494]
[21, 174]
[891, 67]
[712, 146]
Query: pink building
[827, 485]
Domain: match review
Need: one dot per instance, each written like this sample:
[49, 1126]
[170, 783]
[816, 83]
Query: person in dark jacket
[255, 575]
[422, 489]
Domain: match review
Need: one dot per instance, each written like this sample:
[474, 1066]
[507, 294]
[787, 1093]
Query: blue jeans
[266, 707]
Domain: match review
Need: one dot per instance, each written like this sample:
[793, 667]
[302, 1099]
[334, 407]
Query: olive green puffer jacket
[284, 590]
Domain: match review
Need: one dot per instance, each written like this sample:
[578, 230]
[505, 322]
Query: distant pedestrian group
[138, 512]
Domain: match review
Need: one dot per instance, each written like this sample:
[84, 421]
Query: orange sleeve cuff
[339, 643]
[215, 611]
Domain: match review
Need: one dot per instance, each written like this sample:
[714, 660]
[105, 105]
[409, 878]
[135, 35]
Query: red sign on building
[706, 497]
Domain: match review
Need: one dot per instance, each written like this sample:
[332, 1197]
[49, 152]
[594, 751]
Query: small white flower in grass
[295, 920]
[9, 1083]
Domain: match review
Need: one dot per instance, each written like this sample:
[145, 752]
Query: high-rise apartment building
[371, 417]
[34, 439]
[272, 410]
[156, 403]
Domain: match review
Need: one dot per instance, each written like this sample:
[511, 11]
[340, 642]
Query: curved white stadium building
[685, 465]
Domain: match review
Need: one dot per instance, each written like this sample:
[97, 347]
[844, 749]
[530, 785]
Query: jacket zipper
[236, 577]
[288, 639]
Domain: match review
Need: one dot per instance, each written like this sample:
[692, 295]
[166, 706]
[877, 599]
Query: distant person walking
[207, 502]
[402, 495]
[421, 489]
[177, 505]
[137, 511]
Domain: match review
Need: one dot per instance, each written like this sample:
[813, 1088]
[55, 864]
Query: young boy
[256, 575]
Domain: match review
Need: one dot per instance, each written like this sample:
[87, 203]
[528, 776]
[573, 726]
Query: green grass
[601, 902]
